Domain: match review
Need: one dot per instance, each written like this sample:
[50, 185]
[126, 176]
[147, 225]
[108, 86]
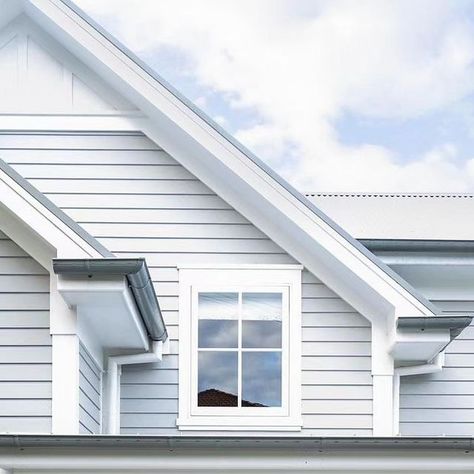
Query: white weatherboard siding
[25, 342]
[443, 403]
[90, 394]
[138, 201]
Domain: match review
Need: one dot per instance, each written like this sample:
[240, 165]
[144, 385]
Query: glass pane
[218, 305]
[261, 325]
[217, 379]
[261, 334]
[215, 333]
[261, 379]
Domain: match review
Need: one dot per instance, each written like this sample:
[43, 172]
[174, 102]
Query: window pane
[261, 379]
[261, 325]
[218, 305]
[261, 334]
[217, 379]
[216, 333]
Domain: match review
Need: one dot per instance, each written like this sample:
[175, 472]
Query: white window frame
[195, 279]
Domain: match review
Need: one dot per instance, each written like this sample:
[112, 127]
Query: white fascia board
[232, 175]
[23, 211]
[107, 313]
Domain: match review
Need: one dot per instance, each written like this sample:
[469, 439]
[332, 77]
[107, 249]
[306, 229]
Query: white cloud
[301, 65]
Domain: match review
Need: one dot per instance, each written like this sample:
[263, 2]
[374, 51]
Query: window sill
[253, 424]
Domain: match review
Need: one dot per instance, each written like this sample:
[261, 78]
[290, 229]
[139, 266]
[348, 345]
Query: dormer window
[240, 348]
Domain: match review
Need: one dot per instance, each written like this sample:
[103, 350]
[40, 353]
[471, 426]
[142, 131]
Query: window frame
[285, 279]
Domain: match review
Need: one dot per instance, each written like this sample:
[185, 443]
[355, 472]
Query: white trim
[65, 386]
[240, 278]
[120, 122]
[225, 266]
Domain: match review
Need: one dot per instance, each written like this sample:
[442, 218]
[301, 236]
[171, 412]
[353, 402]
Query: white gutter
[114, 371]
[435, 365]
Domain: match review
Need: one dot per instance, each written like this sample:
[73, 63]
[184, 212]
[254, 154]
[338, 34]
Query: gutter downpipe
[435, 365]
[114, 372]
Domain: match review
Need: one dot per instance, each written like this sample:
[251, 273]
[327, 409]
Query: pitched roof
[401, 216]
[232, 171]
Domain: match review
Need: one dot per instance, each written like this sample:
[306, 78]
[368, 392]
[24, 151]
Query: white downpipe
[435, 365]
[114, 371]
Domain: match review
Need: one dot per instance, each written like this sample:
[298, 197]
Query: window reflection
[217, 379]
[261, 378]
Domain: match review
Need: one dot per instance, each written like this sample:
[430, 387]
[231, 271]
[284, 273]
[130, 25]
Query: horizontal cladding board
[339, 334]
[20, 266]
[25, 372]
[19, 301]
[29, 407]
[437, 388]
[337, 407]
[334, 319]
[20, 283]
[92, 157]
[90, 375]
[8, 248]
[341, 421]
[339, 392]
[437, 401]
[325, 305]
[460, 415]
[216, 246]
[168, 362]
[81, 141]
[336, 363]
[317, 290]
[24, 319]
[25, 354]
[130, 406]
[437, 429]
[138, 201]
[185, 216]
[148, 420]
[321, 377]
[24, 337]
[90, 389]
[448, 374]
[120, 186]
[176, 230]
[337, 348]
[86, 359]
[103, 172]
[36, 425]
[22, 389]
[459, 360]
[146, 391]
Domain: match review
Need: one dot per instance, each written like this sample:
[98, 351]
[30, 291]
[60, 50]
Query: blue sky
[336, 95]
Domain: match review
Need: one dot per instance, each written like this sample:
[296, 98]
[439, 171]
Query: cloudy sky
[336, 95]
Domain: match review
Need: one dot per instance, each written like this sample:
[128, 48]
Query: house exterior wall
[138, 201]
[442, 404]
[25, 342]
[90, 394]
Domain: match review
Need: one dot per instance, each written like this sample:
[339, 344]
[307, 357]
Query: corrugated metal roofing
[400, 216]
